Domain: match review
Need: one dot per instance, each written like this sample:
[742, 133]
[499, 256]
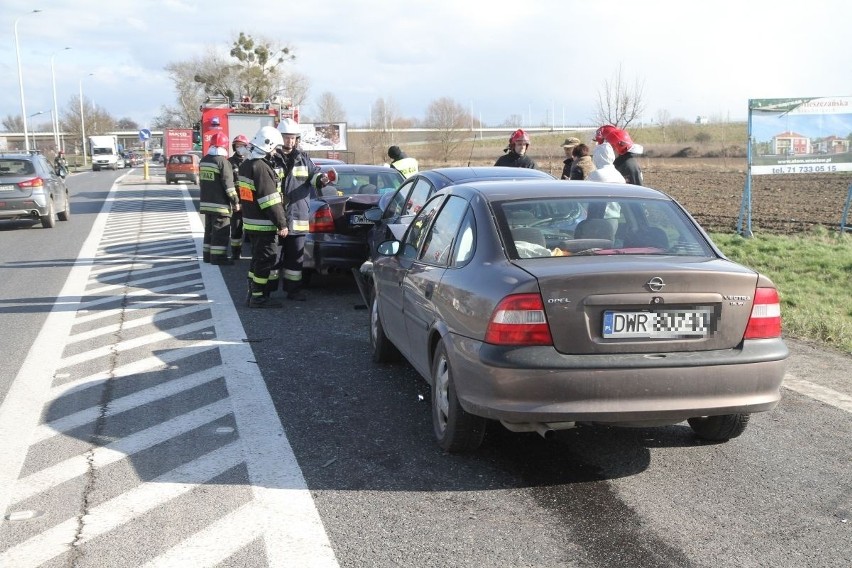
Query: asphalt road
[780, 495]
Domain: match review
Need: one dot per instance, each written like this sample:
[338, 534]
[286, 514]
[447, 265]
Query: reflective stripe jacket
[298, 187]
[217, 185]
[262, 208]
[406, 166]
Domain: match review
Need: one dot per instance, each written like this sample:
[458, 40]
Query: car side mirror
[373, 214]
[388, 248]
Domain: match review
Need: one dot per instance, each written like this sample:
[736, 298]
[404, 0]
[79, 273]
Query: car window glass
[418, 227]
[586, 226]
[418, 197]
[440, 239]
[16, 167]
[466, 240]
[398, 201]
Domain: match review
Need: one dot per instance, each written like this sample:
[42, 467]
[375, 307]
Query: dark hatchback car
[337, 238]
[30, 188]
[632, 318]
[395, 211]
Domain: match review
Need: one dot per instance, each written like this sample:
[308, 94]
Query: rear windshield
[590, 226]
[180, 159]
[375, 183]
[16, 167]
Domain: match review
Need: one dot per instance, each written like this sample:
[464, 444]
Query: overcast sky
[544, 60]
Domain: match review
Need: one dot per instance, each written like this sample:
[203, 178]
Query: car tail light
[519, 320]
[765, 319]
[31, 183]
[322, 221]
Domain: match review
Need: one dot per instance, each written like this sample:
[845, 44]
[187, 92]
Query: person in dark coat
[568, 146]
[583, 164]
[626, 151]
[516, 153]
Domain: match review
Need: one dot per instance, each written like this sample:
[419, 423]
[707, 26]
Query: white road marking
[818, 392]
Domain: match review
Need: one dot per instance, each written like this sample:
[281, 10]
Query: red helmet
[241, 139]
[519, 136]
[219, 140]
[619, 140]
[601, 133]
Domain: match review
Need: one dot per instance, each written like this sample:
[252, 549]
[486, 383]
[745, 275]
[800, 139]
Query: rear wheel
[49, 221]
[65, 213]
[719, 428]
[383, 350]
[455, 429]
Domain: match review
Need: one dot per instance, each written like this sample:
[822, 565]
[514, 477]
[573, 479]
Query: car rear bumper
[330, 252]
[538, 384]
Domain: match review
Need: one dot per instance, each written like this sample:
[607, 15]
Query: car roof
[18, 155]
[535, 188]
[453, 175]
[357, 168]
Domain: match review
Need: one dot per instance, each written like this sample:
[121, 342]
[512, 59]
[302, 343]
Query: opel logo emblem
[655, 284]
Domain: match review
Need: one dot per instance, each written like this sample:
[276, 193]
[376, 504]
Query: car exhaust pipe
[546, 430]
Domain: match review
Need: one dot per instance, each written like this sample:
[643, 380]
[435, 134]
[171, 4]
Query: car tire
[49, 221]
[719, 428]
[383, 350]
[65, 213]
[456, 430]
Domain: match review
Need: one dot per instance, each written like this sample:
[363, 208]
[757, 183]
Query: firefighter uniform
[218, 196]
[263, 216]
[237, 217]
[298, 187]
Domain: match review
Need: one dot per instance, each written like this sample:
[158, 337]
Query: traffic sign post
[144, 136]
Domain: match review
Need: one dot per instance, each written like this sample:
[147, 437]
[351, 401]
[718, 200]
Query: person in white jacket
[603, 158]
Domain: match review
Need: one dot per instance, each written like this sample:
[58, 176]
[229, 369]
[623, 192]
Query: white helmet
[267, 139]
[289, 126]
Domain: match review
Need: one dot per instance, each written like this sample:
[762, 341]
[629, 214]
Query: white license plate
[657, 325]
[359, 220]
[7, 187]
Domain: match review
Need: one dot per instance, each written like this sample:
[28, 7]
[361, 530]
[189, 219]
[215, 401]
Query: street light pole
[35, 146]
[55, 108]
[82, 120]
[21, 83]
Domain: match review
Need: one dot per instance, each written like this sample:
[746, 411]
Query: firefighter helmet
[601, 133]
[220, 140]
[267, 139]
[519, 136]
[289, 126]
[619, 140]
[240, 139]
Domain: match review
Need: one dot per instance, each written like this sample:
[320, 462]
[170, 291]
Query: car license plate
[359, 220]
[7, 187]
[656, 325]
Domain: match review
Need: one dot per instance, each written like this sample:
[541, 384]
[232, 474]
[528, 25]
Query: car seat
[530, 235]
[649, 237]
[596, 229]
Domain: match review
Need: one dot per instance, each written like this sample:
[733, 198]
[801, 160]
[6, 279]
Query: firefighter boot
[261, 300]
[236, 252]
[221, 260]
[294, 291]
[206, 256]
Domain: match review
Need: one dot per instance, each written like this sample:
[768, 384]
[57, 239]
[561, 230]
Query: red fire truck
[218, 114]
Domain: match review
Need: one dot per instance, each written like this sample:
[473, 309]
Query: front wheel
[383, 350]
[456, 430]
[719, 428]
[65, 213]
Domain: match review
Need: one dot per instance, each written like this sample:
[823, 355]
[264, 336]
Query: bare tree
[97, 120]
[329, 109]
[664, 118]
[259, 67]
[619, 103]
[294, 88]
[384, 116]
[452, 123]
[13, 123]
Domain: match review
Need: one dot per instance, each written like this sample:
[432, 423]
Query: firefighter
[218, 199]
[264, 217]
[299, 183]
[516, 152]
[401, 162]
[241, 150]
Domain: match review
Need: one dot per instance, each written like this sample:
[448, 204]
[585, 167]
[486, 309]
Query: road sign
[144, 134]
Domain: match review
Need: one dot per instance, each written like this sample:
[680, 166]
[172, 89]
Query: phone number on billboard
[803, 169]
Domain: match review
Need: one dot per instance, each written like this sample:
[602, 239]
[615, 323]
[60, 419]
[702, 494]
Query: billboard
[803, 135]
[323, 136]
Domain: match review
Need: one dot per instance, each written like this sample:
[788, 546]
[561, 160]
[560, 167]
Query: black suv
[30, 188]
